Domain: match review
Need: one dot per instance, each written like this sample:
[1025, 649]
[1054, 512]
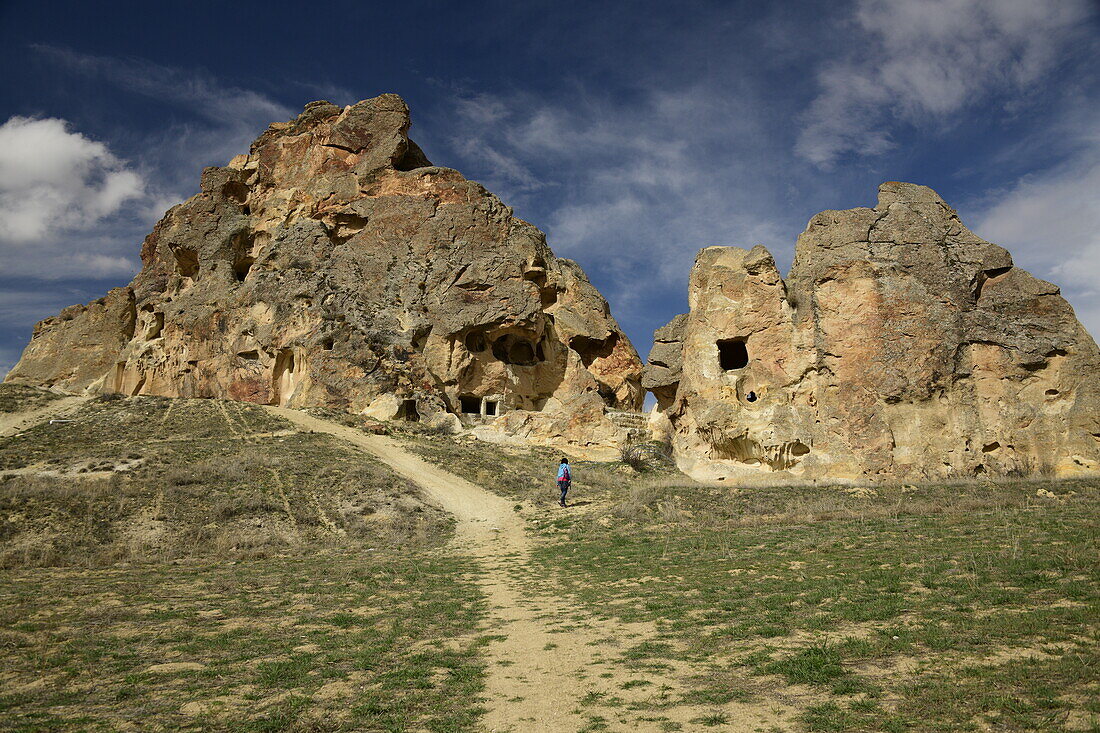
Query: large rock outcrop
[900, 346]
[334, 265]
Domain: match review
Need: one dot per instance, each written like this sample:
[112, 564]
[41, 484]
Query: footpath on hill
[550, 663]
[14, 422]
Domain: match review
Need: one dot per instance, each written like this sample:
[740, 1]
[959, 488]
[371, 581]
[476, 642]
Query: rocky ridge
[901, 345]
[334, 265]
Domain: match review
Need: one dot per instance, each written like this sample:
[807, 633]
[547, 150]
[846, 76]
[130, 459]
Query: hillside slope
[243, 568]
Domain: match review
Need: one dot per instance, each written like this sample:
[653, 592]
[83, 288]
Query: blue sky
[632, 133]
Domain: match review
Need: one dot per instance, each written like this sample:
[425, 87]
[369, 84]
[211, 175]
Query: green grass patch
[419, 665]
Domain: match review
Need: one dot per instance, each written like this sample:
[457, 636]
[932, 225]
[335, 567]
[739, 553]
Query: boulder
[900, 346]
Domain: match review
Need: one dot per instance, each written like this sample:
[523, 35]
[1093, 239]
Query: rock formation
[900, 346]
[334, 265]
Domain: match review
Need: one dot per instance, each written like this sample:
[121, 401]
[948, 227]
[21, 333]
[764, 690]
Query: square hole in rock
[733, 354]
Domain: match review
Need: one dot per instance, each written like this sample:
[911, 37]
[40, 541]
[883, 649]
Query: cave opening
[235, 191]
[154, 323]
[512, 349]
[591, 349]
[345, 226]
[985, 276]
[283, 378]
[733, 354]
[475, 342]
[408, 411]
[470, 405]
[241, 267]
[187, 262]
[490, 407]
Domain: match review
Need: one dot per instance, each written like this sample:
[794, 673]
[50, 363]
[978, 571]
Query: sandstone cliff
[334, 265]
[900, 345]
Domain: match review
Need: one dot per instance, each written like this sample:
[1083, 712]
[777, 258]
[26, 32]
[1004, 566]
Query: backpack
[566, 476]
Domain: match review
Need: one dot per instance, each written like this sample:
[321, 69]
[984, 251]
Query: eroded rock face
[333, 265]
[901, 346]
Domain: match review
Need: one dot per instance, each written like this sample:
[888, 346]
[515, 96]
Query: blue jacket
[564, 472]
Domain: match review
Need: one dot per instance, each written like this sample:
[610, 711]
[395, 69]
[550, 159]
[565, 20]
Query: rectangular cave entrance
[733, 354]
[284, 378]
[470, 405]
[408, 411]
[490, 408]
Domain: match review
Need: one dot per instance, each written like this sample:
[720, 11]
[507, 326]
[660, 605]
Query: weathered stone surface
[81, 343]
[333, 265]
[666, 360]
[900, 346]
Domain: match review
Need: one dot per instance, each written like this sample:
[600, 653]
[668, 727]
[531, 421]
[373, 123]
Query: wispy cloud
[632, 189]
[1050, 221]
[226, 117]
[212, 120]
[920, 61]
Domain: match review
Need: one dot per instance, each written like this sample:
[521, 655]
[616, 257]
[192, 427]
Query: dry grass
[146, 479]
[351, 641]
[17, 398]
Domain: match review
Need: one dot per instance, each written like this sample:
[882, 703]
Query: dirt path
[16, 422]
[553, 667]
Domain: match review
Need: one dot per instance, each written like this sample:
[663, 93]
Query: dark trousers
[564, 486]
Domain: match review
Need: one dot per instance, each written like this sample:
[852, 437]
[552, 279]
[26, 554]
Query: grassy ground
[340, 642]
[196, 564]
[529, 473]
[155, 479]
[884, 616]
[15, 398]
[294, 584]
[933, 608]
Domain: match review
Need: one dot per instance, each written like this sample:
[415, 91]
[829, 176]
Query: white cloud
[53, 180]
[921, 60]
[1051, 223]
[70, 207]
[637, 187]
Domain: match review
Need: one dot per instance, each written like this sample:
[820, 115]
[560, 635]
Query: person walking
[565, 477]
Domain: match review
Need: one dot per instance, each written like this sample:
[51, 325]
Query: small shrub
[814, 665]
[632, 455]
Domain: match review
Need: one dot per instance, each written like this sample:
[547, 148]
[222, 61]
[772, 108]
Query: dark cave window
[733, 354]
[490, 407]
[514, 350]
[750, 397]
[241, 268]
[475, 341]
[470, 405]
[187, 262]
